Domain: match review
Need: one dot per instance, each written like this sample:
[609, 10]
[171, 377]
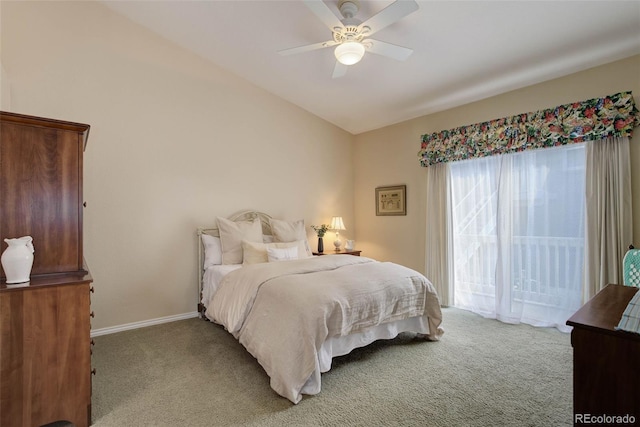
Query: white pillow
[255, 253]
[290, 231]
[282, 254]
[233, 233]
[212, 251]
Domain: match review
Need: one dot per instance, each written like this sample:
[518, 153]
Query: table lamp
[337, 224]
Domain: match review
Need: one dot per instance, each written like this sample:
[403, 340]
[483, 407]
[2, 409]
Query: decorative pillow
[233, 233]
[290, 231]
[267, 238]
[282, 254]
[212, 251]
[255, 253]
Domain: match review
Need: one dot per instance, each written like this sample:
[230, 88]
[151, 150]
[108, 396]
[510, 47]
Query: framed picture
[391, 200]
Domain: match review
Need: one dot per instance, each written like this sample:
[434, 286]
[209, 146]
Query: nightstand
[340, 252]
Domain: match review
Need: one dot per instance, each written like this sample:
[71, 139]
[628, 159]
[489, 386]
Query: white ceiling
[464, 51]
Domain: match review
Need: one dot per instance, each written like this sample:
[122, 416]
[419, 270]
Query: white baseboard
[142, 324]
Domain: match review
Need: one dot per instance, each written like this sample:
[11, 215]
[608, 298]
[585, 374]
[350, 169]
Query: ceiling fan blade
[339, 70]
[323, 12]
[307, 48]
[389, 50]
[390, 14]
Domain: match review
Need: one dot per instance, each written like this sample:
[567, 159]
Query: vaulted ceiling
[463, 51]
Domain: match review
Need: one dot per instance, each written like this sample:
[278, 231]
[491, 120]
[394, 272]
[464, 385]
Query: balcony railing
[544, 270]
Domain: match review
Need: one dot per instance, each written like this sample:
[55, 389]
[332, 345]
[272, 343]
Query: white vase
[17, 259]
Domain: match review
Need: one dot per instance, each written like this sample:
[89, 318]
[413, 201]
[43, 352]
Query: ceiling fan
[351, 36]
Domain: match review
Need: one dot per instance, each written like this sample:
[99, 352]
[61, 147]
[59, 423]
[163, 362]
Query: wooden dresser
[45, 344]
[606, 362]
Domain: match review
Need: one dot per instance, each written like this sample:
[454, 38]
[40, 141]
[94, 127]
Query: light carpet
[481, 373]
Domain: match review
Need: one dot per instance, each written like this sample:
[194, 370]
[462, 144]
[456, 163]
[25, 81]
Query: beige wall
[174, 142]
[5, 92]
[389, 156]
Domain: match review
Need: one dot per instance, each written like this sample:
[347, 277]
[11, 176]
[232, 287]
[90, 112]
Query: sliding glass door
[518, 234]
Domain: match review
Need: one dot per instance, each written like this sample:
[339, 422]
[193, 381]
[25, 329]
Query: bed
[294, 311]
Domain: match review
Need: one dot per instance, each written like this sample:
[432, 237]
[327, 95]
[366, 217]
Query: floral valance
[594, 119]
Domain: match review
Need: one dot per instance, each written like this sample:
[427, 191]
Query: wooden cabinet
[41, 188]
[606, 373]
[45, 355]
[45, 352]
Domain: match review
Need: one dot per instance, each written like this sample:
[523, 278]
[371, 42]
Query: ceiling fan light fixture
[349, 53]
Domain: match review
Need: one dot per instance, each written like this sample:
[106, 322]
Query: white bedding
[294, 316]
[211, 280]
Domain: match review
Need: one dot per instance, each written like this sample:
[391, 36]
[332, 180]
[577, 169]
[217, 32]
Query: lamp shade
[337, 223]
[349, 53]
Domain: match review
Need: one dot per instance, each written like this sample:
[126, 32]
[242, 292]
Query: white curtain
[438, 239]
[518, 235]
[609, 215]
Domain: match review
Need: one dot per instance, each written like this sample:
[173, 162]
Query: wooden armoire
[45, 344]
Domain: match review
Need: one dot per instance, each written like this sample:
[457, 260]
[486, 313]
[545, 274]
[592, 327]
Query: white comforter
[282, 312]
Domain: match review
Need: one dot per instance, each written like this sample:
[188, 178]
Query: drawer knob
[91, 289]
[92, 314]
[93, 371]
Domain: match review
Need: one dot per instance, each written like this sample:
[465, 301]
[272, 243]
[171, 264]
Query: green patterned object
[631, 268]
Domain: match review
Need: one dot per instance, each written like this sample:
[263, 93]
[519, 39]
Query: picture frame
[391, 200]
